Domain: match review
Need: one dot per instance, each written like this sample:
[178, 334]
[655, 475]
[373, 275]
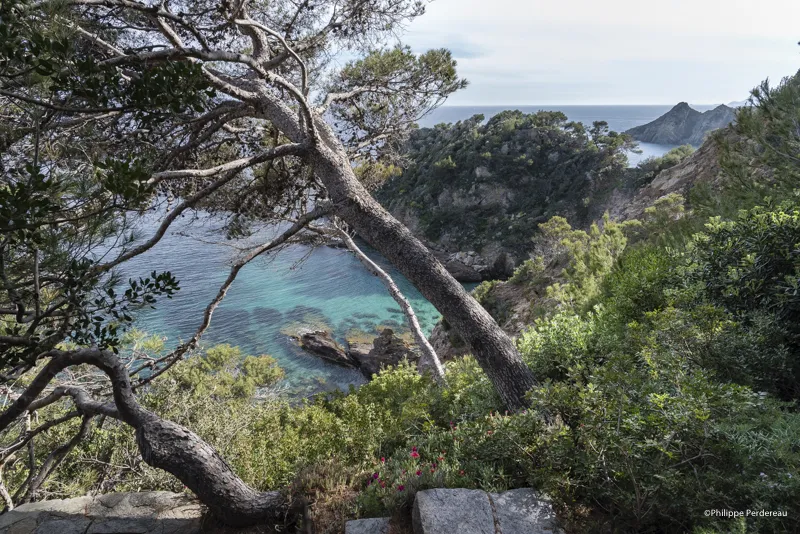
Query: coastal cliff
[683, 125]
[516, 302]
[476, 193]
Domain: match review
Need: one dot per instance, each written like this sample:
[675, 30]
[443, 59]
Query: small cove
[324, 287]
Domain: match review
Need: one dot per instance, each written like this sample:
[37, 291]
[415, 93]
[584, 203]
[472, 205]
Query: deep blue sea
[302, 287]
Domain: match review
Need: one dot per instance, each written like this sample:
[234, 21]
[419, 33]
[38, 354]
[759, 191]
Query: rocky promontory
[683, 125]
[476, 193]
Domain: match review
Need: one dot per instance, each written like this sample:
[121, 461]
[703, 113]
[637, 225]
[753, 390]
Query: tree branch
[430, 358]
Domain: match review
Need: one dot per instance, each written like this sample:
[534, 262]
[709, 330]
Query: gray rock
[462, 511]
[157, 512]
[452, 511]
[323, 345]
[376, 525]
[64, 526]
[523, 511]
[387, 349]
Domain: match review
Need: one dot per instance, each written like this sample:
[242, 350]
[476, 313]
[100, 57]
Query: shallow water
[272, 297]
[324, 287]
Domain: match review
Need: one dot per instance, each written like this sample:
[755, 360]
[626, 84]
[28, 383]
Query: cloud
[616, 51]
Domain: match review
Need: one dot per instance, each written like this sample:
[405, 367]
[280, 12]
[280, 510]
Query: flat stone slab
[453, 511]
[523, 510]
[154, 512]
[375, 525]
[463, 511]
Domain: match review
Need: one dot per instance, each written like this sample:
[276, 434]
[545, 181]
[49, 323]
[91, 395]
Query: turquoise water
[298, 286]
[272, 296]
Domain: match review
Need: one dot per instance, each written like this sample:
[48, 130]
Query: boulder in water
[320, 343]
[387, 350]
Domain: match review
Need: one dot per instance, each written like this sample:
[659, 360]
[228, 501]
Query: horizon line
[580, 105]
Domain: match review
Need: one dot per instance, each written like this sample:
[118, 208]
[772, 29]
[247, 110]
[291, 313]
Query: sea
[300, 287]
[619, 119]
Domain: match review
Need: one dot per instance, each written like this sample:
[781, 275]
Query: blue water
[300, 287]
[272, 297]
[619, 119]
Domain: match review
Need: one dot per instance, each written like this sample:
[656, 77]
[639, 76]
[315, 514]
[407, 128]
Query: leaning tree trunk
[163, 444]
[493, 349]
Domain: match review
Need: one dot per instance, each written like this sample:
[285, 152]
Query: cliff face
[514, 305]
[683, 125]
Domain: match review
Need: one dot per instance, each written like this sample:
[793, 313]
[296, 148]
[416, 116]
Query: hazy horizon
[576, 52]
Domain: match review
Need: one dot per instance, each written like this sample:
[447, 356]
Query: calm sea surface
[300, 287]
[619, 119]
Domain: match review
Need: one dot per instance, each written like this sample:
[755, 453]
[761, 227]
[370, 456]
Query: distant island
[683, 125]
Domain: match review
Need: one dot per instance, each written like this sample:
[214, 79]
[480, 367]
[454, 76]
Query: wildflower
[383, 484]
[401, 487]
[414, 454]
[375, 475]
[419, 472]
[383, 460]
[461, 473]
[433, 469]
[369, 483]
[489, 432]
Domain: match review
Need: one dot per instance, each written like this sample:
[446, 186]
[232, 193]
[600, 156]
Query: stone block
[523, 511]
[452, 511]
[375, 525]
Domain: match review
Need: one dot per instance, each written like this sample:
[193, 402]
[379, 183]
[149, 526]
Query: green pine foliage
[546, 164]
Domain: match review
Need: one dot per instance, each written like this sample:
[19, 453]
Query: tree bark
[493, 349]
[429, 356]
[163, 444]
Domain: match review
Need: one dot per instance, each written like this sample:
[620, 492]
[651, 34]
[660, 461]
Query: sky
[546, 52]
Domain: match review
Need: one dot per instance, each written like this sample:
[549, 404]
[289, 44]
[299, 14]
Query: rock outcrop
[157, 512]
[683, 125]
[387, 350]
[320, 343]
[700, 167]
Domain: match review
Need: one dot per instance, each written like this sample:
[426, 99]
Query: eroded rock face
[320, 343]
[387, 350]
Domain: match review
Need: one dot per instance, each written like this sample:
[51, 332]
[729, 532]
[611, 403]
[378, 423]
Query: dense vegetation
[669, 372]
[470, 184]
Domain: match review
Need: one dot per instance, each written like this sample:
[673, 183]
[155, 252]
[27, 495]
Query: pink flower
[419, 472]
[401, 487]
[461, 472]
[375, 475]
[383, 460]
[489, 432]
[414, 454]
[433, 469]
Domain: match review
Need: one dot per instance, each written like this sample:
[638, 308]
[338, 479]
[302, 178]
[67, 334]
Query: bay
[301, 287]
